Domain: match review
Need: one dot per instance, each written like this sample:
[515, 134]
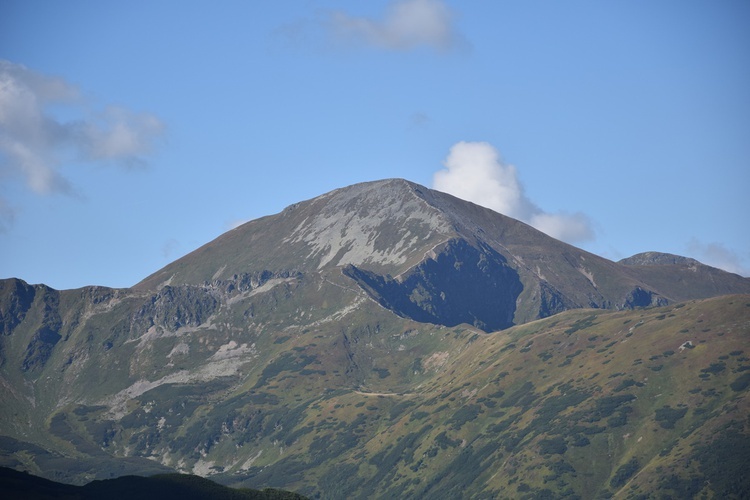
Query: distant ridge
[24, 486]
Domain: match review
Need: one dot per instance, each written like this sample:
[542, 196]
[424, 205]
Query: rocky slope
[339, 349]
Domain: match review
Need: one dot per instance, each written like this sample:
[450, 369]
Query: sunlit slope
[584, 403]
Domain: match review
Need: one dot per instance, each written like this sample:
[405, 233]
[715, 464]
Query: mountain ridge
[392, 227]
[380, 341]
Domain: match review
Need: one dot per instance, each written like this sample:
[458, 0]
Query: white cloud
[34, 143]
[119, 135]
[717, 255]
[406, 25]
[474, 171]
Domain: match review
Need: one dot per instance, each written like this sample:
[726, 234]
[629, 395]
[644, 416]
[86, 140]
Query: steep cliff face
[37, 307]
[16, 298]
[175, 307]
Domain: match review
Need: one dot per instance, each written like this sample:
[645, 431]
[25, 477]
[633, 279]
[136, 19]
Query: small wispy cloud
[35, 142]
[407, 24]
[717, 255]
[169, 248]
[119, 135]
[234, 224]
[474, 171]
[419, 119]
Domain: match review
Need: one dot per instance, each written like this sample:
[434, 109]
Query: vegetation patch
[555, 445]
[627, 383]
[606, 406]
[668, 416]
[581, 324]
[522, 396]
[741, 383]
[464, 414]
[715, 368]
[624, 472]
[724, 464]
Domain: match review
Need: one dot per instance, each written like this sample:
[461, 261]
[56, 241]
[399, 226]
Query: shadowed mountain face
[338, 348]
[461, 284]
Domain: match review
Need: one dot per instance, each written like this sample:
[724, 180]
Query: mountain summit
[435, 258]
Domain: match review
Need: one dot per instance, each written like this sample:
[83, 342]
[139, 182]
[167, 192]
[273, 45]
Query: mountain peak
[376, 223]
[386, 225]
[658, 259]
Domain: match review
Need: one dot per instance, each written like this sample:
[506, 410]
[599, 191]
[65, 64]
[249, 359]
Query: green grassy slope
[586, 404]
[310, 386]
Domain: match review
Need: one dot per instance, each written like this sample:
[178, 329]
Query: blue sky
[133, 132]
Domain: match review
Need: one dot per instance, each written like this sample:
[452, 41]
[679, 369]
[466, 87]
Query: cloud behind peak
[475, 171]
